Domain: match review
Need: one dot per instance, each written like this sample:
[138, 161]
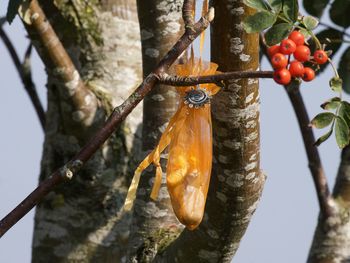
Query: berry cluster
[294, 44]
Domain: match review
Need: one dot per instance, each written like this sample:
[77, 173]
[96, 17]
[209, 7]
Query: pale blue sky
[283, 225]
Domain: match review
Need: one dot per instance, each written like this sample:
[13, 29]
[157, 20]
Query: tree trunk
[154, 223]
[236, 181]
[80, 221]
[331, 243]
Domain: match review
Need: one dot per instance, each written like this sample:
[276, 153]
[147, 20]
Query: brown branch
[190, 81]
[114, 120]
[25, 75]
[73, 85]
[315, 165]
[188, 13]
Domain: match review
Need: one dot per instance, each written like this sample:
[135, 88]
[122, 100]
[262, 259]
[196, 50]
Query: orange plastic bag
[189, 137]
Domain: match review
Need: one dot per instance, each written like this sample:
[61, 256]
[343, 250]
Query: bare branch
[114, 120]
[188, 13]
[25, 75]
[190, 81]
[315, 165]
[73, 85]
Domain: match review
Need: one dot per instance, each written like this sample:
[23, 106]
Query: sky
[281, 229]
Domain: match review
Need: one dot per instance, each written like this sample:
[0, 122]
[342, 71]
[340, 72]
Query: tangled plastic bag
[189, 137]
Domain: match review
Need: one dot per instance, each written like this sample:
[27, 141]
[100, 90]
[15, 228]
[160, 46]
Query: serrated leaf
[322, 120]
[339, 13]
[256, 4]
[315, 7]
[323, 138]
[310, 22]
[12, 9]
[344, 112]
[336, 84]
[259, 21]
[344, 70]
[277, 32]
[291, 9]
[276, 5]
[331, 104]
[341, 132]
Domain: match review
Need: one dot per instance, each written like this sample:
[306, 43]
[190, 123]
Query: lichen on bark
[81, 220]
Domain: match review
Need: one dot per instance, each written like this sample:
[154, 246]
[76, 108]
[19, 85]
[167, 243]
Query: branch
[25, 75]
[190, 81]
[188, 13]
[119, 114]
[73, 86]
[315, 165]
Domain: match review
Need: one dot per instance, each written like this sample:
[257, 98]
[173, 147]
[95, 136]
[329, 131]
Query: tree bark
[236, 182]
[331, 240]
[81, 220]
[154, 223]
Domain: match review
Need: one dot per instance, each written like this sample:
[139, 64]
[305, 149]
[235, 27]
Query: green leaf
[315, 7]
[344, 112]
[12, 9]
[276, 5]
[339, 13]
[331, 104]
[323, 138]
[257, 4]
[322, 120]
[291, 9]
[310, 22]
[277, 32]
[341, 132]
[336, 84]
[259, 21]
[344, 70]
[306, 34]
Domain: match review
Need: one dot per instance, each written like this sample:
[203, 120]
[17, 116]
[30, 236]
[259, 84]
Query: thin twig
[114, 120]
[315, 165]
[25, 75]
[62, 63]
[194, 80]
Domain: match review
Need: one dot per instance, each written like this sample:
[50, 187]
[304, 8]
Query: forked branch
[119, 114]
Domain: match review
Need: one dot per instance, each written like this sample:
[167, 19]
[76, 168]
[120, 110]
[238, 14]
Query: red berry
[302, 53]
[320, 56]
[297, 37]
[287, 46]
[296, 69]
[273, 50]
[309, 74]
[282, 76]
[279, 61]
